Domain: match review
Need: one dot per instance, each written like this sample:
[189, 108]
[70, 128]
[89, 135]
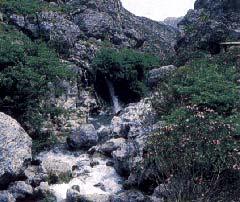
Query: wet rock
[94, 163]
[5, 196]
[34, 175]
[110, 163]
[121, 159]
[42, 191]
[15, 150]
[111, 145]
[134, 120]
[129, 196]
[104, 132]
[84, 137]
[20, 189]
[101, 186]
[73, 194]
[158, 74]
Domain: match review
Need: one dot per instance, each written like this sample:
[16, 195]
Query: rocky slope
[173, 21]
[85, 27]
[210, 23]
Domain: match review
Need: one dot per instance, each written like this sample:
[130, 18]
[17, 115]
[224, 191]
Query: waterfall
[85, 76]
[116, 104]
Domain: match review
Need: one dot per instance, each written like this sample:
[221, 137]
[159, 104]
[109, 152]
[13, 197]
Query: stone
[20, 189]
[15, 150]
[42, 191]
[158, 74]
[83, 137]
[5, 196]
[111, 145]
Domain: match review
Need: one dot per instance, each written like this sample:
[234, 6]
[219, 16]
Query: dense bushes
[126, 68]
[199, 144]
[26, 69]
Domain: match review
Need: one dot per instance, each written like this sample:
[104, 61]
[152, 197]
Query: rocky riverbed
[96, 163]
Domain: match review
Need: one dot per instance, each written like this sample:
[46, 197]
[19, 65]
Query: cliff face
[101, 21]
[211, 22]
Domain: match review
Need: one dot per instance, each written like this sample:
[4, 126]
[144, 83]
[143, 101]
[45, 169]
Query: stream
[92, 173]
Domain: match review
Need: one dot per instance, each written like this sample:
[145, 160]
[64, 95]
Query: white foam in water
[89, 176]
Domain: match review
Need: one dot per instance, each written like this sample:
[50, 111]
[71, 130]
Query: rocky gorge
[98, 141]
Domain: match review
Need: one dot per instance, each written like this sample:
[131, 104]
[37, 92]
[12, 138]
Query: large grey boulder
[84, 137]
[20, 189]
[157, 74]
[5, 196]
[111, 145]
[15, 149]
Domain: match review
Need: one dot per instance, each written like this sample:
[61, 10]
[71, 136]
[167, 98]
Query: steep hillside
[210, 23]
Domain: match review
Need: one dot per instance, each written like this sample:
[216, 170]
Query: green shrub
[28, 7]
[126, 68]
[26, 69]
[199, 143]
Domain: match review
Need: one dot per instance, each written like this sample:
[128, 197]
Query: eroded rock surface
[15, 149]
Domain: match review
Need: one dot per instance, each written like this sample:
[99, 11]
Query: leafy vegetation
[197, 150]
[126, 68]
[26, 71]
[28, 7]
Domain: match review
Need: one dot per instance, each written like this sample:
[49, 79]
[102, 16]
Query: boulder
[15, 150]
[42, 191]
[20, 189]
[159, 74]
[5, 196]
[74, 195]
[84, 137]
[111, 145]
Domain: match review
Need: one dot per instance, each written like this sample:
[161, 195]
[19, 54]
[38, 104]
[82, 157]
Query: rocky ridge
[210, 23]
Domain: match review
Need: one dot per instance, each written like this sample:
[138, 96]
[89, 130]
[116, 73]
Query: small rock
[101, 186]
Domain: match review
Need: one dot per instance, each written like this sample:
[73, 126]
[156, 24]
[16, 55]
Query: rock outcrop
[210, 23]
[94, 21]
[158, 74]
[172, 21]
[15, 150]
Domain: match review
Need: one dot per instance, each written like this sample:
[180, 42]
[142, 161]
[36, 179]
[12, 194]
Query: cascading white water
[116, 104]
[86, 177]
